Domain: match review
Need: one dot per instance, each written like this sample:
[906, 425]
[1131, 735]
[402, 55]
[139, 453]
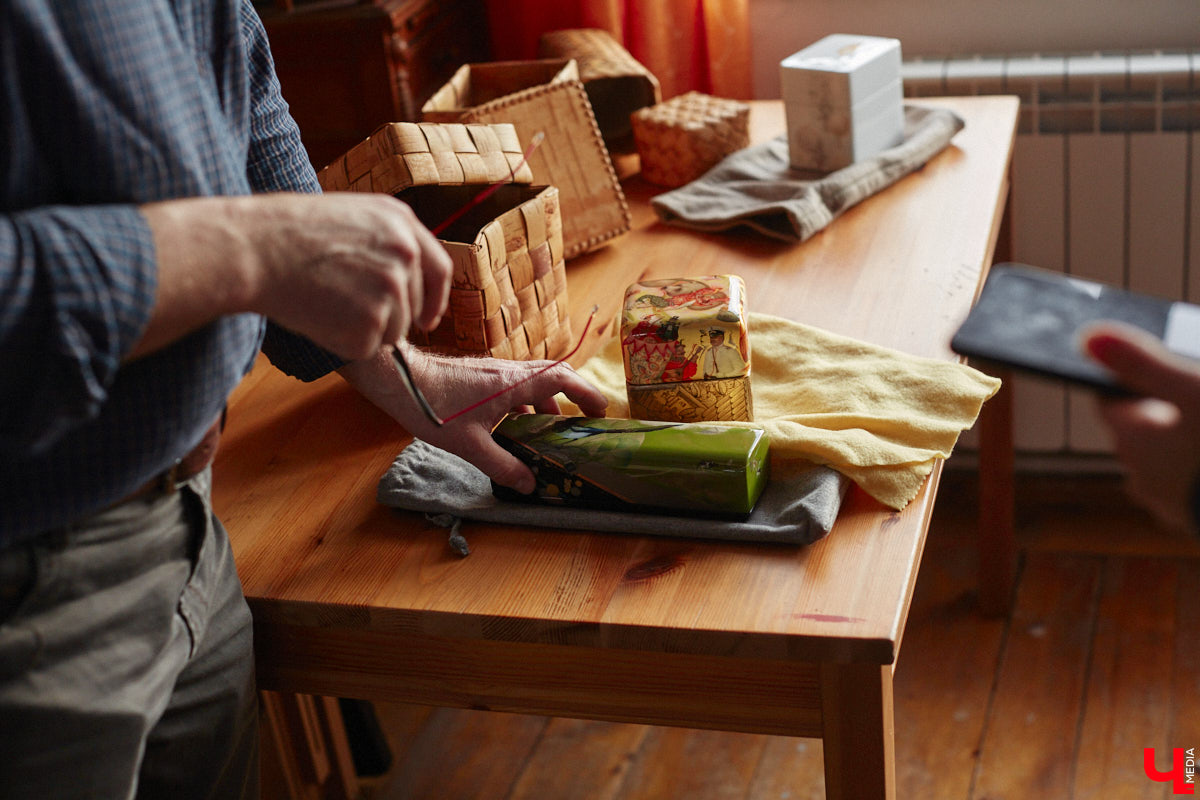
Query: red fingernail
[1099, 346]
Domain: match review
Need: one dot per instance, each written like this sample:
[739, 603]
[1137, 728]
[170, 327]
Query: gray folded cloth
[798, 509]
[757, 187]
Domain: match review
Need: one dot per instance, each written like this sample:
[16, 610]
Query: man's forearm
[350, 271]
[203, 266]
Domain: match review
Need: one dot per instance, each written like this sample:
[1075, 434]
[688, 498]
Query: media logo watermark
[1182, 774]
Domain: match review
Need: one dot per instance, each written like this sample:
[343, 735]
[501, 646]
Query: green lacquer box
[684, 468]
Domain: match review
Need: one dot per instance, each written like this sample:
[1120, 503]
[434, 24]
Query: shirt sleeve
[78, 286]
[278, 162]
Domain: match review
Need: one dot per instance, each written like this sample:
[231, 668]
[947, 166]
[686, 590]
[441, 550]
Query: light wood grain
[953, 682]
[724, 692]
[337, 581]
[296, 476]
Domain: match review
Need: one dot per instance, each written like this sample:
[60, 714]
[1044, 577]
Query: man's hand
[452, 384]
[350, 271]
[1157, 433]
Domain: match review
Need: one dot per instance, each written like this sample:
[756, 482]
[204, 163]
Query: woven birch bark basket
[508, 298]
[545, 96]
[617, 84]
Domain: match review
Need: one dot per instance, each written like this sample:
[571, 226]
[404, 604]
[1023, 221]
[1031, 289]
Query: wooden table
[352, 599]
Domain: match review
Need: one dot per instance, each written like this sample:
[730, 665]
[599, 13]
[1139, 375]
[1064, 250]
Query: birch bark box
[686, 350]
[508, 297]
[545, 96]
[616, 83]
[843, 99]
[682, 138]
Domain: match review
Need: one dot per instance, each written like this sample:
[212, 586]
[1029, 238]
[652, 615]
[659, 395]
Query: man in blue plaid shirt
[159, 224]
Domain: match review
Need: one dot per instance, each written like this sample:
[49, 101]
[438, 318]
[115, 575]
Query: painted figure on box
[667, 323]
[686, 349]
[722, 360]
[689, 293]
[681, 366]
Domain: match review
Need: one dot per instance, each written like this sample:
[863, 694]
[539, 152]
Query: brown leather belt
[192, 464]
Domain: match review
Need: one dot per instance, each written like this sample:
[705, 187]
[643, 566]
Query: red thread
[530, 377]
[447, 222]
[489, 191]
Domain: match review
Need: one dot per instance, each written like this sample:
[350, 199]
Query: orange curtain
[701, 45]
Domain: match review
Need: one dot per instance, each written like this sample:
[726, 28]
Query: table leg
[997, 485]
[997, 490]
[859, 732]
[304, 752]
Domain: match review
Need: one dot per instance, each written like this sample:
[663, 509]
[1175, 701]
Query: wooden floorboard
[1129, 681]
[1098, 658]
[1185, 673]
[600, 756]
[945, 674]
[1028, 749]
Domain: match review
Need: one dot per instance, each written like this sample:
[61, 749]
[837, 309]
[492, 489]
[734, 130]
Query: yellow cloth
[878, 416]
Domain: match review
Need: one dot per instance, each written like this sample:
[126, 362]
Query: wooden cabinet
[348, 67]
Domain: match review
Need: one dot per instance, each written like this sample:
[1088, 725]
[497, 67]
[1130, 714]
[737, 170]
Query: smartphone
[1029, 319]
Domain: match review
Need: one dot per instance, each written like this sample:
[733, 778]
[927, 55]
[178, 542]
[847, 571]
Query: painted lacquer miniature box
[688, 469]
[844, 100]
[686, 349]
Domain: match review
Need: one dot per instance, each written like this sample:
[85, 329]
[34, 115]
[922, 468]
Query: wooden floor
[1098, 658]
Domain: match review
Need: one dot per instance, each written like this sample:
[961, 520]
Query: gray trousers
[126, 664]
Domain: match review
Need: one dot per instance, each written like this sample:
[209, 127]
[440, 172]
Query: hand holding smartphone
[1030, 319]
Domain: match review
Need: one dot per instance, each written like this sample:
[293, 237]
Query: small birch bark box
[508, 296]
[681, 139]
[686, 350]
[844, 100]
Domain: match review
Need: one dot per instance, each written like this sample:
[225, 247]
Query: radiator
[1106, 186]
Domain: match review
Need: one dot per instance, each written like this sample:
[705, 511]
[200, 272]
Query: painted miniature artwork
[686, 350]
[685, 329]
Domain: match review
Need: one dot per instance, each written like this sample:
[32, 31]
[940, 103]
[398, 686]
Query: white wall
[947, 27]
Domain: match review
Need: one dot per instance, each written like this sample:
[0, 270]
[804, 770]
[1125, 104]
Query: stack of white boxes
[844, 100]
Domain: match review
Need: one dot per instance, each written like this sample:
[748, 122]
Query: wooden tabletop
[299, 463]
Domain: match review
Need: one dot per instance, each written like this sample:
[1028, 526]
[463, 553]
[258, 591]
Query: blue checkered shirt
[104, 106]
